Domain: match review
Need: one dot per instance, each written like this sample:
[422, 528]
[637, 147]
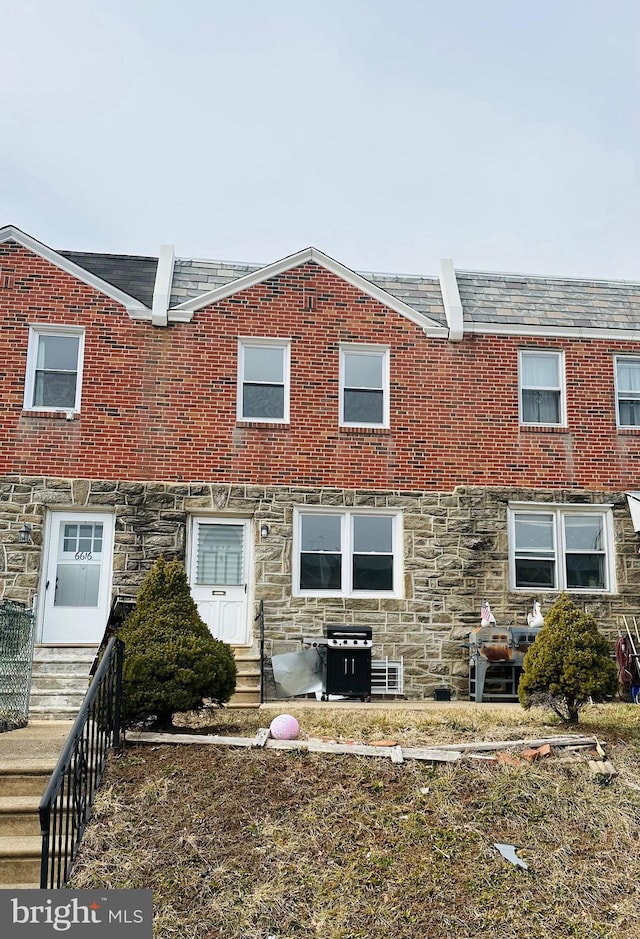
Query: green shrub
[568, 664]
[171, 662]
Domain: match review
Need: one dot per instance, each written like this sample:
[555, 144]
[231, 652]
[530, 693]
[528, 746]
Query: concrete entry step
[59, 681]
[20, 860]
[247, 693]
[19, 816]
[24, 779]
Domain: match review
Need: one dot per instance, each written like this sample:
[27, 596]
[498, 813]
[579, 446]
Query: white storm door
[220, 576]
[77, 588]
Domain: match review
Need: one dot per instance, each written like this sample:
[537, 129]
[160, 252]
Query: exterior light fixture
[264, 530]
[24, 535]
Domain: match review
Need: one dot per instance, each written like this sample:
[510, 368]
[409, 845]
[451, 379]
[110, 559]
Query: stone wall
[455, 553]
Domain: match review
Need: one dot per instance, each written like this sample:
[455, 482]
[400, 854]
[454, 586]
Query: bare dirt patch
[258, 844]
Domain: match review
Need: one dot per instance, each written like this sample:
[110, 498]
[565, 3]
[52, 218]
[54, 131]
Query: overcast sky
[504, 134]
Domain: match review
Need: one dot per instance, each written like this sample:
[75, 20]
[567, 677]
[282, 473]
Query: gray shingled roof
[548, 301]
[193, 278]
[135, 275]
[510, 299]
[420, 293]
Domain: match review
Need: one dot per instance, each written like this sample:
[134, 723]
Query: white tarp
[297, 672]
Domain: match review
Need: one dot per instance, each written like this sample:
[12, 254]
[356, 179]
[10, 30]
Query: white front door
[220, 576]
[77, 584]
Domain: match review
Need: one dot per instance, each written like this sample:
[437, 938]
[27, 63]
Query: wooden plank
[478, 746]
[140, 736]
[432, 754]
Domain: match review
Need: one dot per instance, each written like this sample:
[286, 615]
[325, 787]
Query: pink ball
[284, 727]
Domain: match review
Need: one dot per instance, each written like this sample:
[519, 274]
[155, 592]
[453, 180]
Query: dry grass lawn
[240, 844]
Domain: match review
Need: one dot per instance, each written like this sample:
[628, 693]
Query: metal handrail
[260, 619]
[66, 805]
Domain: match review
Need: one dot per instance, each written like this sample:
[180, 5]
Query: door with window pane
[219, 574]
[77, 588]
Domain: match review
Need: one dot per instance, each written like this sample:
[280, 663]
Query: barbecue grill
[495, 660]
[345, 652]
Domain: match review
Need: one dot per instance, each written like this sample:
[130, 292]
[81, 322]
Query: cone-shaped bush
[171, 661]
[568, 664]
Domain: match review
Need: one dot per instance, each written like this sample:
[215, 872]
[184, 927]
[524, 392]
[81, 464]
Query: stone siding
[455, 554]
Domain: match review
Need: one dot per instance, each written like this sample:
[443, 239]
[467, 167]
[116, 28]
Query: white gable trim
[134, 307]
[295, 260]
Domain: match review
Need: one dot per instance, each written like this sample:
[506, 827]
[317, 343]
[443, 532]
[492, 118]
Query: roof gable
[132, 304]
[189, 307]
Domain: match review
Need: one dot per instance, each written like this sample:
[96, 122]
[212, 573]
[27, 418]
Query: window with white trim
[364, 386]
[561, 548]
[347, 553]
[54, 368]
[263, 380]
[541, 380]
[628, 391]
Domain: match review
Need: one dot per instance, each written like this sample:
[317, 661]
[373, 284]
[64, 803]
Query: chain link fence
[17, 630]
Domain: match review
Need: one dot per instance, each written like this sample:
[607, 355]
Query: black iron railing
[260, 620]
[66, 805]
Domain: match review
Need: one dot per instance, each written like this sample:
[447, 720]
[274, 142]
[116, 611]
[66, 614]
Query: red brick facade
[160, 403]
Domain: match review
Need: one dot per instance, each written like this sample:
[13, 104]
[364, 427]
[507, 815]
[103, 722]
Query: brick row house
[367, 449]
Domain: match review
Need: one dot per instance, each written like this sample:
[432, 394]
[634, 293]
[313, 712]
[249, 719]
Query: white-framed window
[541, 385]
[344, 553]
[627, 375]
[364, 386]
[567, 547]
[54, 368]
[263, 380]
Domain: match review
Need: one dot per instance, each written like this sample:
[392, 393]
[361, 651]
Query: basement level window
[54, 368]
[561, 548]
[347, 553]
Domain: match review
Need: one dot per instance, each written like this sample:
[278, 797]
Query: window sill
[545, 428]
[267, 425]
[51, 415]
[334, 595]
[374, 431]
[631, 431]
[581, 591]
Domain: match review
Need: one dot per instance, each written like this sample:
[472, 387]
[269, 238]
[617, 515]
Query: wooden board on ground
[432, 754]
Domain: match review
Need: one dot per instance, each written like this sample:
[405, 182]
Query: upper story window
[364, 386]
[561, 548]
[347, 553]
[54, 369]
[628, 391]
[541, 387]
[263, 380]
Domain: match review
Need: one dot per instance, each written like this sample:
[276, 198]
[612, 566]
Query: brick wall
[161, 403]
